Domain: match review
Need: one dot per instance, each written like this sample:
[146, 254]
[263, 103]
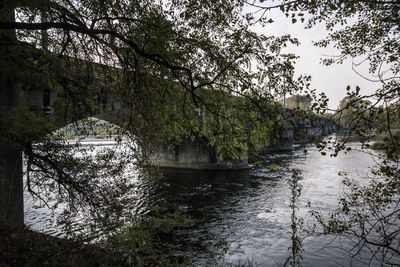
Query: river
[245, 215]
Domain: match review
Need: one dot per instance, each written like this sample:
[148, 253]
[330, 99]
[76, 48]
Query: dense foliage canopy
[177, 69]
[164, 61]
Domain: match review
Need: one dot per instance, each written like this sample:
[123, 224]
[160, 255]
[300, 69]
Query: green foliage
[368, 215]
[21, 126]
[355, 114]
[147, 242]
[378, 146]
[389, 144]
[297, 223]
[299, 102]
[366, 32]
[162, 61]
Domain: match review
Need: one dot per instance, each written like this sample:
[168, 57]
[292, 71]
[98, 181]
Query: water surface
[245, 215]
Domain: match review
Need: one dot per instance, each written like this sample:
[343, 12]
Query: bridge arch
[294, 123]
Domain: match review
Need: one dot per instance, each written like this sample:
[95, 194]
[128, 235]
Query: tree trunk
[11, 182]
[11, 179]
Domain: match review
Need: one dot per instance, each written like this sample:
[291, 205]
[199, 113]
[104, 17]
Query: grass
[378, 145]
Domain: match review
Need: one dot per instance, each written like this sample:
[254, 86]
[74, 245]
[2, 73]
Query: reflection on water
[246, 213]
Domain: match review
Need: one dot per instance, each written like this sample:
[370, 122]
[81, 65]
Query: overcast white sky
[332, 80]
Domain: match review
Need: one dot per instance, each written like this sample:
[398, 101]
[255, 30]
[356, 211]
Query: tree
[368, 33]
[299, 102]
[164, 60]
[348, 116]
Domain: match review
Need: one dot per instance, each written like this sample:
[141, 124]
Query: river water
[245, 215]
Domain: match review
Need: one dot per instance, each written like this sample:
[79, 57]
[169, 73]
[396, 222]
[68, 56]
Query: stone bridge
[302, 130]
[191, 154]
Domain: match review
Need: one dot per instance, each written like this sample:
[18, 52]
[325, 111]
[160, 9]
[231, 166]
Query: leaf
[393, 58]
[332, 6]
[273, 167]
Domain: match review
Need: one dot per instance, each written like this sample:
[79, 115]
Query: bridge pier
[195, 154]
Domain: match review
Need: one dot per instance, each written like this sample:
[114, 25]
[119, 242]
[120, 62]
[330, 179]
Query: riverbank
[24, 247]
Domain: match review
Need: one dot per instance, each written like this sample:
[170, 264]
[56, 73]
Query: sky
[333, 79]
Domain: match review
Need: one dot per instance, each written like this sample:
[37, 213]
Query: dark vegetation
[24, 247]
[145, 243]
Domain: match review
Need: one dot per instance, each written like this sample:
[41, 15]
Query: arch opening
[90, 128]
